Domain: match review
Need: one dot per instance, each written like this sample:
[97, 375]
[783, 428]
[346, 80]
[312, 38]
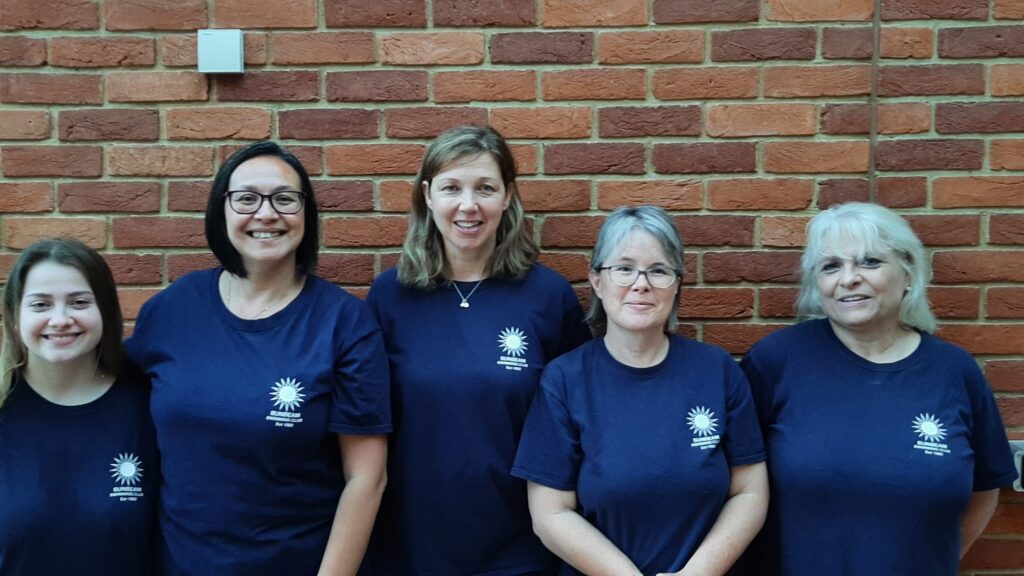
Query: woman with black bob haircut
[470, 319]
[270, 390]
[78, 461]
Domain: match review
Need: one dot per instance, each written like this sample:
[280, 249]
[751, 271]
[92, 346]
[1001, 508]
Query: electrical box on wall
[1017, 449]
[221, 52]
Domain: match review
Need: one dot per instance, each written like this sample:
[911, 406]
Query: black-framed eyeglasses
[282, 201]
[625, 275]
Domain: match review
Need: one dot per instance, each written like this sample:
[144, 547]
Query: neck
[262, 293]
[468, 267]
[884, 345]
[70, 383]
[636, 349]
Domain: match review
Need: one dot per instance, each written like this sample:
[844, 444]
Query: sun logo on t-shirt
[702, 421]
[287, 394]
[929, 428]
[126, 469]
[512, 341]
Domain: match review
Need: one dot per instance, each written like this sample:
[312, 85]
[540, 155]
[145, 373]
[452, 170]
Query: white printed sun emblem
[929, 428]
[513, 341]
[287, 394]
[126, 469]
[702, 421]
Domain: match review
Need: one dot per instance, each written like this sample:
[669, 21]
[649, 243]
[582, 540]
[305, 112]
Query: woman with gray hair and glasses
[886, 450]
[641, 448]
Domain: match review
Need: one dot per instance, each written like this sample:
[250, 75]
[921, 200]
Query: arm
[571, 537]
[739, 521]
[363, 460]
[980, 508]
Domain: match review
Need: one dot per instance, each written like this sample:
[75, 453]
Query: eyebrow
[48, 295]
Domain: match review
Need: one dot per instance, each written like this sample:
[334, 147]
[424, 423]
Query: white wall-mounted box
[221, 51]
[1017, 448]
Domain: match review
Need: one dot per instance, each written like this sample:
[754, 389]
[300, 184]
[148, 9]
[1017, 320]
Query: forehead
[50, 277]
[639, 246]
[482, 165]
[264, 171]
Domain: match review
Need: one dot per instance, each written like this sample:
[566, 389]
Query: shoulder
[540, 275]
[696, 349]
[576, 358]
[938, 352]
[188, 286]
[800, 334]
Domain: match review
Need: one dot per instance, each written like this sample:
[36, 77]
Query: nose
[849, 274]
[266, 210]
[59, 316]
[642, 283]
[467, 200]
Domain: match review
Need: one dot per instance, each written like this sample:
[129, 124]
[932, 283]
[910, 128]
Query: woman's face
[59, 320]
[640, 307]
[265, 236]
[861, 291]
[467, 198]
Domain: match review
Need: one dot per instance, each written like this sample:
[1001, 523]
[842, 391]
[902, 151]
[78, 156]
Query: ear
[426, 194]
[595, 282]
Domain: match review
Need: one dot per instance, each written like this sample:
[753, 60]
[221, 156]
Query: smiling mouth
[61, 338]
[265, 235]
[468, 225]
[857, 298]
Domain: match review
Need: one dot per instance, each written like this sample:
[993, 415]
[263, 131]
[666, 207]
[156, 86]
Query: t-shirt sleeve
[993, 462]
[549, 448]
[574, 329]
[743, 443]
[760, 387]
[362, 394]
[137, 345]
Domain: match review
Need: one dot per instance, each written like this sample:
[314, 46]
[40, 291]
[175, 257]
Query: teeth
[467, 224]
[265, 235]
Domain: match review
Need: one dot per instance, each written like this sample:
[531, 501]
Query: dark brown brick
[22, 51]
[292, 86]
[716, 230]
[932, 154]
[109, 124]
[846, 119]
[603, 158]
[981, 117]
[931, 80]
[188, 195]
[764, 44]
[981, 42]
[761, 266]
[376, 14]
[695, 11]
[50, 88]
[542, 48]
[550, 195]
[428, 122]
[633, 121]
[846, 43]
[841, 190]
[704, 157]
[75, 161]
[24, 125]
[108, 196]
[777, 302]
[50, 14]
[954, 301]
[943, 230]
[902, 191]
[1006, 229]
[158, 232]
[328, 123]
[155, 14]
[346, 268]
[570, 231]
[484, 13]
[77, 52]
[335, 194]
[939, 9]
[135, 268]
[377, 86]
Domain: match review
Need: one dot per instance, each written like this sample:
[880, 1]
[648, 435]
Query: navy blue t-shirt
[462, 382]
[247, 414]
[648, 451]
[78, 484]
[871, 465]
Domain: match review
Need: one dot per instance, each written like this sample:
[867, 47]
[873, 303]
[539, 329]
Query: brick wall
[742, 117]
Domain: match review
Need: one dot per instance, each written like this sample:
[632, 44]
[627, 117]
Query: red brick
[943, 230]
[1005, 303]
[267, 14]
[24, 125]
[777, 302]
[978, 191]
[376, 14]
[158, 232]
[596, 158]
[50, 14]
[160, 161]
[25, 197]
[428, 122]
[328, 123]
[155, 14]
[484, 85]
[737, 338]
[484, 13]
[715, 230]
[705, 83]
[77, 52]
[773, 266]
[717, 303]
[669, 194]
[902, 191]
[955, 302]
[365, 231]
[572, 266]
[324, 48]
[542, 122]
[218, 123]
[760, 194]
[904, 118]
[698, 11]
[432, 48]
[180, 50]
[938, 9]
[815, 81]
[907, 42]
[1009, 516]
[846, 43]
[822, 11]
[22, 232]
[1006, 79]
[979, 117]
[764, 44]
[76, 161]
[595, 84]
[50, 89]
[704, 157]
[931, 80]
[348, 160]
[932, 154]
[1006, 155]
[573, 13]
[663, 46]
[308, 156]
[740, 120]
[108, 196]
[981, 42]
[570, 231]
[156, 86]
[377, 85]
[986, 339]
[187, 195]
[816, 157]
[395, 196]
[290, 86]
[109, 124]
[180, 264]
[346, 268]
[784, 231]
[638, 121]
[1009, 9]
[135, 268]
[974, 266]
[132, 299]
[22, 51]
[1005, 375]
[334, 194]
[840, 190]
[542, 48]
[555, 195]
[1012, 411]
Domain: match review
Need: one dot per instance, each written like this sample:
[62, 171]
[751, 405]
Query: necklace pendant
[464, 304]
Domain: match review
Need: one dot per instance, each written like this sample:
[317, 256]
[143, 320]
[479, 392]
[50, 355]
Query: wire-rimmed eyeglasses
[282, 201]
[625, 275]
